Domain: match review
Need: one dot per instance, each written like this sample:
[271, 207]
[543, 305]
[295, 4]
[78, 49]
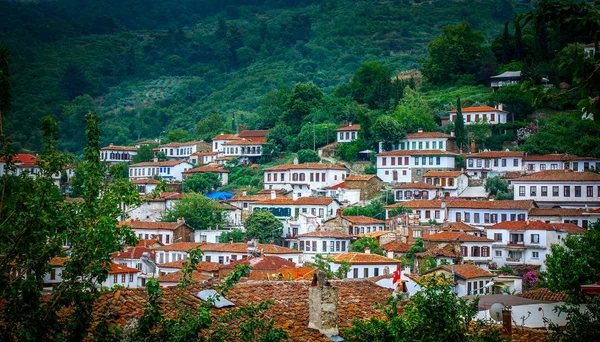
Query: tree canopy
[198, 211]
[202, 183]
[263, 226]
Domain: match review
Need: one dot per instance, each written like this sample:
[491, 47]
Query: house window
[221, 260]
[590, 191]
[366, 272]
[497, 236]
[475, 251]
[577, 191]
[123, 278]
[434, 145]
[470, 162]
[355, 273]
[485, 252]
[424, 160]
[438, 160]
[476, 218]
[503, 217]
[498, 254]
[337, 246]
[464, 251]
[130, 277]
[420, 145]
[467, 217]
[384, 161]
[430, 160]
[324, 246]
[301, 245]
[516, 162]
[331, 246]
[535, 255]
[521, 191]
[458, 217]
[542, 167]
[555, 191]
[116, 278]
[416, 160]
[544, 191]
[553, 166]
[494, 218]
[376, 272]
[535, 238]
[521, 217]
[53, 274]
[478, 163]
[437, 214]
[532, 190]
[503, 162]
[567, 191]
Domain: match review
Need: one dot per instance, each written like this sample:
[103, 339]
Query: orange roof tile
[117, 269]
[538, 225]
[363, 220]
[417, 204]
[364, 259]
[560, 176]
[496, 154]
[337, 186]
[236, 247]
[206, 168]
[415, 153]
[428, 135]
[443, 252]
[226, 137]
[456, 236]
[132, 253]
[416, 186]
[444, 173]
[22, 158]
[175, 277]
[478, 109]
[268, 262]
[349, 128]
[253, 133]
[179, 144]
[58, 261]
[163, 196]
[459, 226]
[119, 148]
[556, 212]
[556, 157]
[251, 141]
[359, 177]
[466, 271]
[545, 294]
[328, 234]
[201, 266]
[312, 166]
[296, 273]
[166, 163]
[515, 205]
[144, 181]
[136, 224]
[396, 246]
[299, 201]
[250, 198]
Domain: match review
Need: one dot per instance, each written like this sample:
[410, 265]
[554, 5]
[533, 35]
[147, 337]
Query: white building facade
[493, 163]
[302, 179]
[170, 170]
[401, 166]
[484, 114]
[117, 154]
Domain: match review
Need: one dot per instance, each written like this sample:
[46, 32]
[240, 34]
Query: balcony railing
[513, 259]
[515, 244]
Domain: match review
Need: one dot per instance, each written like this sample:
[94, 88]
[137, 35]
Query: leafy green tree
[515, 100]
[374, 209]
[161, 156]
[263, 226]
[324, 264]
[235, 235]
[387, 130]
[480, 131]
[304, 98]
[74, 81]
[198, 211]
[413, 112]
[367, 242]
[178, 135]
[371, 84]
[417, 247]
[459, 127]
[322, 134]
[401, 210]
[282, 138]
[144, 154]
[308, 156]
[202, 183]
[498, 188]
[5, 96]
[272, 106]
[209, 127]
[349, 151]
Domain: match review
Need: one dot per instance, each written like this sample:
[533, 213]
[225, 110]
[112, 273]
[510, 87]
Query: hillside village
[468, 182]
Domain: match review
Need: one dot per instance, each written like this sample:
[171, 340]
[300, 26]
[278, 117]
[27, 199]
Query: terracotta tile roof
[253, 133]
[166, 163]
[356, 300]
[117, 269]
[396, 246]
[459, 226]
[456, 236]
[74, 200]
[444, 173]
[251, 198]
[268, 191]
[466, 271]
[363, 220]
[296, 273]
[538, 225]
[174, 277]
[136, 224]
[202, 154]
[132, 253]
[22, 158]
[337, 186]
[328, 234]
[147, 142]
[349, 128]
[417, 204]
[364, 259]
[299, 201]
[427, 135]
[236, 247]
[415, 153]
[556, 212]
[252, 141]
[568, 227]
[416, 186]
[556, 157]
[478, 109]
[179, 144]
[226, 137]
[119, 148]
[58, 261]
[268, 262]
[383, 276]
[376, 234]
[443, 252]
[512, 174]
[359, 177]
[545, 294]
[312, 166]
[144, 181]
[560, 176]
[206, 168]
[149, 242]
[201, 266]
[163, 197]
[496, 154]
[515, 205]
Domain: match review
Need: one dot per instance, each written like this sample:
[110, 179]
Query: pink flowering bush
[529, 280]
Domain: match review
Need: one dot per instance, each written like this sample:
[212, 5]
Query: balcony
[513, 260]
[520, 244]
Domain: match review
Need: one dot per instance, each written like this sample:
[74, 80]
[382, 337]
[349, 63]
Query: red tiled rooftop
[456, 236]
[560, 176]
[415, 153]
[364, 259]
[226, 137]
[253, 133]
[175, 277]
[363, 220]
[22, 158]
[299, 201]
[416, 186]
[206, 168]
[136, 224]
[545, 294]
[349, 128]
[459, 226]
[467, 271]
[556, 157]
[144, 181]
[119, 148]
[328, 234]
[268, 262]
[356, 177]
[200, 266]
[556, 212]
[427, 135]
[236, 247]
[478, 109]
[444, 173]
[509, 204]
[496, 154]
[312, 166]
[396, 246]
[117, 269]
[132, 253]
[538, 225]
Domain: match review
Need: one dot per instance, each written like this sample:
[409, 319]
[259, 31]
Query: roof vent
[212, 297]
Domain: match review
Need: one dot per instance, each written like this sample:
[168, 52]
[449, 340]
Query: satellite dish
[496, 311]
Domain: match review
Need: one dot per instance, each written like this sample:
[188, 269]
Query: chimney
[322, 306]
[390, 254]
[420, 130]
[180, 220]
[294, 196]
[295, 161]
[244, 193]
[491, 198]
[246, 240]
[273, 195]
[349, 123]
[111, 144]
[472, 146]
[367, 250]
[452, 133]
[155, 159]
[500, 106]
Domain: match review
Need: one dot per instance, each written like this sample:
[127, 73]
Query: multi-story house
[425, 210]
[246, 150]
[559, 188]
[123, 276]
[219, 140]
[505, 78]
[219, 171]
[469, 279]
[117, 154]
[473, 249]
[284, 208]
[23, 163]
[410, 191]
[170, 170]
[348, 133]
[145, 186]
[152, 208]
[526, 242]
[578, 216]
[326, 243]
[165, 232]
[452, 183]
[493, 163]
[302, 179]
[534, 163]
[202, 158]
[365, 265]
[353, 225]
[427, 141]
[183, 150]
[406, 166]
[486, 213]
[487, 114]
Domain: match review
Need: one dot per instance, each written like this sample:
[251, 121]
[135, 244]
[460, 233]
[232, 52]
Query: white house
[474, 249]
[153, 208]
[219, 171]
[170, 170]
[365, 265]
[487, 114]
[54, 277]
[401, 166]
[427, 141]
[493, 163]
[283, 208]
[180, 150]
[246, 150]
[121, 275]
[469, 279]
[559, 187]
[165, 232]
[452, 183]
[202, 158]
[425, 210]
[23, 163]
[326, 243]
[578, 216]
[145, 186]
[117, 154]
[526, 242]
[223, 253]
[219, 140]
[534, 163]
[486, 213]
[348, 133]
[505, 78]
[302, 179]
[294, 226]
[410, 191]
[132, 256]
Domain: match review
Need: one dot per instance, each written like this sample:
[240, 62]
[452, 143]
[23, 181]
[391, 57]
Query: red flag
[397, 275]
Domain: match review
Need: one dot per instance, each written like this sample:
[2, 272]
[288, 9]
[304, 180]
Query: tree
[367, 242]
[5, 97]
[144, 154]
[388, 131]
[263, 226]
[519, 52]
[515, 100]
[324, 264]
[74, 81]
[400, 210]
[235, 235]
[480, 131]
[199, 212]
[374, 209]
[413, 112]
[304, 98]
[308, 156]
[209, 127]
[178, 135]
[316, 135]
[459, 127]
[498, 188]
[417, 247]
[202, 183]
[371, 84]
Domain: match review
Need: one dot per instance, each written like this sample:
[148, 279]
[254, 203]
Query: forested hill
[152, 66]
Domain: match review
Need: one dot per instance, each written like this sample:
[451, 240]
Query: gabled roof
[175, 277]
[428, 135]
[362, 220]
[456, 236]
[136, 224]
[375, 235]
[496, 154]
[556, 212]
[132, 253]
[508, 205]
[349, 128]
[201, 266]
[364, 259]
[326, 234]
[337, 186]
[58, 261]
[144, 181]
[166, 163]
[299, 201]
[508, 74]
[545, 294]
[556, 157]
[396, 246]
[268, 262]
[312, 166]
[163, 196]
[179, 144]
[119, 148]
[446, 252]
[236, 247]
[226, 137]
[251, 198]
[117, 269]
[206, 168]
[478, 109]
[444, 173]
[465, 271]
[417, 204]
[249, 141]
[560, 176]
[538, 225]
[417, 186]
[253, 133]
[359, 177]
[22, 158]
[415, 153]
[459, 226]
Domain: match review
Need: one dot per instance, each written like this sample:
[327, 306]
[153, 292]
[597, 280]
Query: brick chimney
[420, 130]
[367, 250]
[180, 220]
[322, 306]
[390, 254]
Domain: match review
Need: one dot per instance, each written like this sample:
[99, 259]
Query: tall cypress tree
[518, 42]
[506, 56]
[459, 126]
